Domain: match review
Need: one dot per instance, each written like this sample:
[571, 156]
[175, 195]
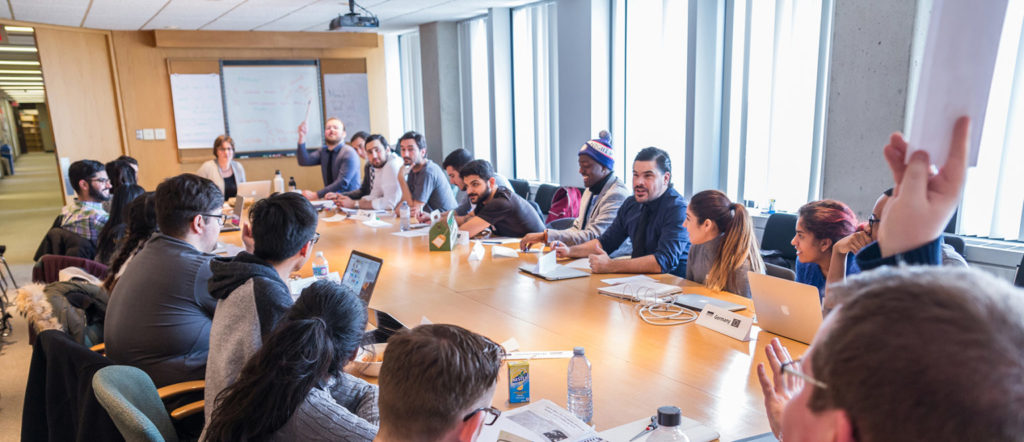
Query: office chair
[779, 272]
[521, 188]
[545, 193]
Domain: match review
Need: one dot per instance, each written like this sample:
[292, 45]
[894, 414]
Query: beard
[479, 198]
[97, 194]
[332, 141]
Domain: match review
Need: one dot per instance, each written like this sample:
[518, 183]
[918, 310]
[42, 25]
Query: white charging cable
[659, 311]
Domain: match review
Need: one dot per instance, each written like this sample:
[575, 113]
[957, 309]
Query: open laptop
[784, 307]
[547, 268]
[254, 190]
[361, 274]
[234, 222]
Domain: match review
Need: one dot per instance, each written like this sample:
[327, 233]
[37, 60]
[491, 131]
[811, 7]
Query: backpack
[565, 204]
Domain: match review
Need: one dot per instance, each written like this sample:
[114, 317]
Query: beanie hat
[600, 149]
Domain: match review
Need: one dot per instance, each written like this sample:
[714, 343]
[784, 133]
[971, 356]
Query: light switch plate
[147, 134]
[160, 133]
[138, 134]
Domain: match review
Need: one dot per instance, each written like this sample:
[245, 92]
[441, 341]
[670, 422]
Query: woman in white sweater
[224, 171]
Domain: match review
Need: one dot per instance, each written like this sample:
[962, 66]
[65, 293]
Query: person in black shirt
[497, 208]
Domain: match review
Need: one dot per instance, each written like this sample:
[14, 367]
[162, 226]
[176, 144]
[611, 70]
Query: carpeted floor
[29, 201]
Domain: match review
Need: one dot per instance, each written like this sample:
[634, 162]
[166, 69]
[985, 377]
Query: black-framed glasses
[220, 218]
[100, 180]
[873, 221]
[316, 237]
[789, 369]
[489, 419]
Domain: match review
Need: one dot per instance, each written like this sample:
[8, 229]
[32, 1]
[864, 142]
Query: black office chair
[1019, 280]
[779, 272]
[778, 233]
[561, 223]
[521, 188]
[545, 193]
[955, 241]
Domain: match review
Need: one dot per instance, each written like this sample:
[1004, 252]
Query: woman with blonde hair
[724, 247]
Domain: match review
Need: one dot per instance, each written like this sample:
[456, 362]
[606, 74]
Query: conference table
[636, 366]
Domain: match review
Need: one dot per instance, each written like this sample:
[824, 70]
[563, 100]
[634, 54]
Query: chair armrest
[100, 348]
[180, 388]
[187, 410]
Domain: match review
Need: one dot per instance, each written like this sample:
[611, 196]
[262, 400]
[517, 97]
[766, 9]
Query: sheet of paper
[413, 233]
[334, 218]
[376, 223]
[628, 279]
[540, 418]
[477, 252]
[503, 252]
[956, 75]
[227, 249]
[327, 204]
[295, 286]
[558, 354]
[510, 345]
[582, 264]
[546, 262]
[500, 240]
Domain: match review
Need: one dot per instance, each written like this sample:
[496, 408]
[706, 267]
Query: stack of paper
[539, 421]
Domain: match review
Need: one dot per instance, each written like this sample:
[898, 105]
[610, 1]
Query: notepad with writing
[635, 291]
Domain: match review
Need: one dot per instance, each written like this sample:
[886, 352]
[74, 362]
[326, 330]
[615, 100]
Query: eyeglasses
[100, 180]
[316, 237]
[789, 369]
[220, 218]
[489, 419]
[872, 221]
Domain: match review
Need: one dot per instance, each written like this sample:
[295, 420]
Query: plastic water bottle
[581, 399]
[291, 184]
[403, 212]
[669, 419]
[320, 268]
[278, 182]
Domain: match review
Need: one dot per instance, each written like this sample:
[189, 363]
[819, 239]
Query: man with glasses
[382, 176]
[159, 315]
[85, 215]
[436, 383]
[251, 288]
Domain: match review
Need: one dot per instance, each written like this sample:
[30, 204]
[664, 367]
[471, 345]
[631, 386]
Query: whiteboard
[198, 111]
[347, 97]
[266, 103]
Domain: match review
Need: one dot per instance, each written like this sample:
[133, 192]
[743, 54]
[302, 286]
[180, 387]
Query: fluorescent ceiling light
[19, 71]
[19, 63]
[21, 83]
[19, 29]
[21, 78]
[18, 49]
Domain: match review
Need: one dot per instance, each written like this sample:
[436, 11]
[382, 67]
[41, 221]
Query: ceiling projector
[353, 19]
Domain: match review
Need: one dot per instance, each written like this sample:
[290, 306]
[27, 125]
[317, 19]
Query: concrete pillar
[442, 105]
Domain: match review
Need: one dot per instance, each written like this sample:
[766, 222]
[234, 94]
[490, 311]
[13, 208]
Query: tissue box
[443, 234]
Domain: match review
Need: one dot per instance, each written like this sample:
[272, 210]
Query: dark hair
[358, 135]
[416, 137]
[480, 168]
[660, 158]
[378, 137]
[113, 230]
[220, 142]
[910, 387]
[828, 219]
[141, 223]
[739, 243]
[457, 159]
[887, 192]
[120, 173]
[281, 225]
[430, 375]
[317, 337]
[179, 199]
[83, 170]
[129, 159]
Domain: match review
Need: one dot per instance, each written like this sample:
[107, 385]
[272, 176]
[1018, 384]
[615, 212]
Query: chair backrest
[129, 396]
[779, 271]
[561, 223]
[1019, 280]
[520, 187]
[545, 193]
[955, 241]
[778, 232]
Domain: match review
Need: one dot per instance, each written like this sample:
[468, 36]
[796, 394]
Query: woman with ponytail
[723, 246]
[294, 388]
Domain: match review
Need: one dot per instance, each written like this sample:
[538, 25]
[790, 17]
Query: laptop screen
[361, 274]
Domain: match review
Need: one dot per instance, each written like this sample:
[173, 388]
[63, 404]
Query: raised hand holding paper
[956, 74]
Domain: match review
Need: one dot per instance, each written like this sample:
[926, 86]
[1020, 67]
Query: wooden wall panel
[81, 93]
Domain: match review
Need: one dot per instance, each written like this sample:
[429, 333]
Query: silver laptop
[784, 307]
[234, 222]
[547, 268]
[254, 190]
[697, 302]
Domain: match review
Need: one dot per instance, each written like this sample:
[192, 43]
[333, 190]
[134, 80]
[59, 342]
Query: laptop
[697, 302]
[361, 274]
[547, 268]
[234, 223]
[785, 307]
[254, 190]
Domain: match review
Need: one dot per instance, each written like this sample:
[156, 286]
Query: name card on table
[725, 322]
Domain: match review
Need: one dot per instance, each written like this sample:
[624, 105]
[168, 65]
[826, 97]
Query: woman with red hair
[820, 225]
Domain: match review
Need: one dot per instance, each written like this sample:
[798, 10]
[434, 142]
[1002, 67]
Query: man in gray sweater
[601, 200]
[250, 288]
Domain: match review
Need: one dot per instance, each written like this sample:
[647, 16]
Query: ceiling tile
[57, 12]
[121, 14]
[190, 14]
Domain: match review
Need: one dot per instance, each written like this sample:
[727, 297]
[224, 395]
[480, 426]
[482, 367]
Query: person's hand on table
[561, 250]
[310, 195]
[302, 132]
[852, 243]
[600, 262]
[343, 201]
[422, 217]
[247, 240]
[921, 203]
[775, 389]
[533, 238]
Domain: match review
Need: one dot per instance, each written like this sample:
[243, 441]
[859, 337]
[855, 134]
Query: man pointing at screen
[339, 162]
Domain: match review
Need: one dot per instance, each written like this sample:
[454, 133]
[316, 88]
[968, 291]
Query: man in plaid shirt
[85, 216]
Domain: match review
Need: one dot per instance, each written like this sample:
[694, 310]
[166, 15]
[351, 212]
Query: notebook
[635, 291]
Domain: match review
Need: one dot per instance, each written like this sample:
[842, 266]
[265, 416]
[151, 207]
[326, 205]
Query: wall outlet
[147, 134]
[160, 133]
[138, 134]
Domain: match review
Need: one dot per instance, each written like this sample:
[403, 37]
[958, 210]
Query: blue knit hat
[600, 149]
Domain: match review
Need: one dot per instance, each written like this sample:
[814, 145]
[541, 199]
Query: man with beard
[652, 219]
[85, 215]
[424, 185]
[601, 200]
[339, 162]
[383, 179]
[497, 208]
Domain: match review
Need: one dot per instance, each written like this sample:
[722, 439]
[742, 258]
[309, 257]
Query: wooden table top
[636, 366]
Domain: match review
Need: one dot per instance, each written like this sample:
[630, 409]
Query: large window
[476, 100]
[993, 204]
[412, 81]
[534, 97]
